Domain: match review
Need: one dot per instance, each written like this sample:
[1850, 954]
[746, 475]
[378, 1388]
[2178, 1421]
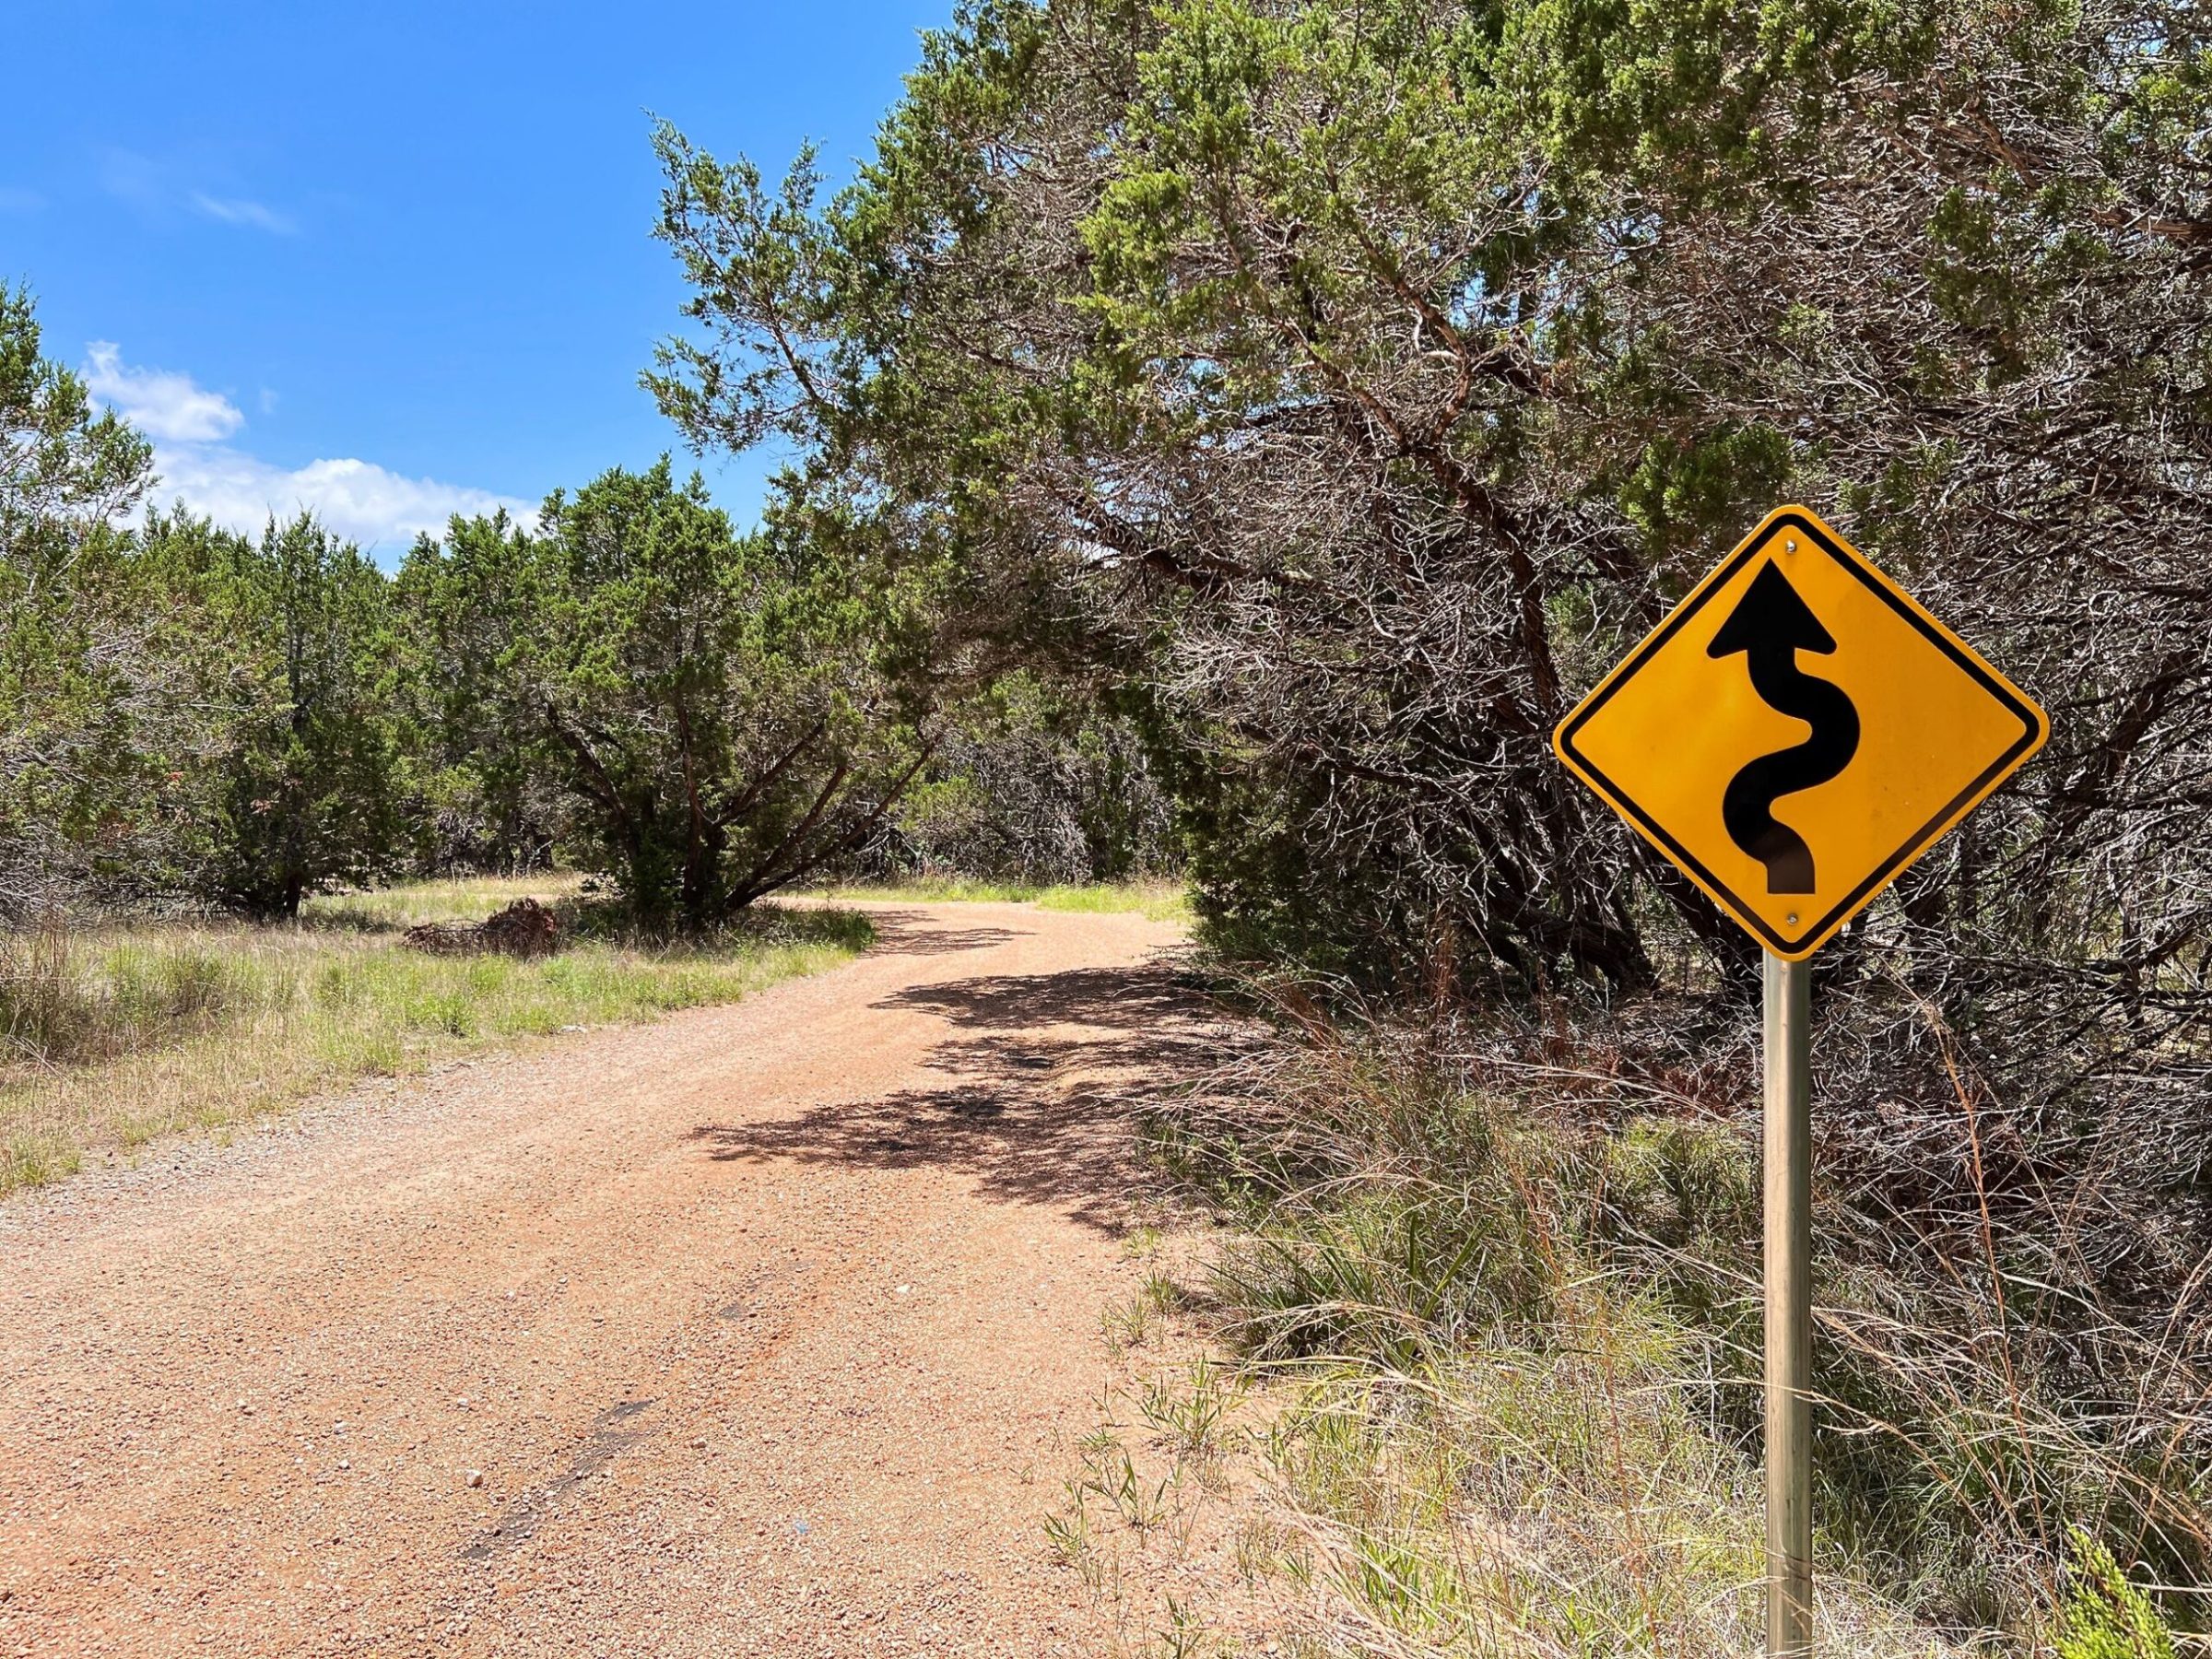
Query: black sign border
[2032, 732]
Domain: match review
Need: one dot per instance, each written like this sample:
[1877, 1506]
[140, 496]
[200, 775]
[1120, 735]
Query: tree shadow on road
[909, 933]
[1045, 1075]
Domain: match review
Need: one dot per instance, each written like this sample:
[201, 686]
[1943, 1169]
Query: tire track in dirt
[767, 1329]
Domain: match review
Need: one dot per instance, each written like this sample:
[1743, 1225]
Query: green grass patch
[461, 899]
[1157, 900]
[116, 1036]
[936, 889]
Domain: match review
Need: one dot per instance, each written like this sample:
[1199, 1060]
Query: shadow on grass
[1044, 1076]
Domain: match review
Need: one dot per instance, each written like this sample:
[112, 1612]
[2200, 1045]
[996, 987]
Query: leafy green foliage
[182, 711]
[484, 799]
[1031, 786]
[712, 705]
[2103, 1615]
[631, 686]
[85, 732]
[1363, 378]
[308, 791]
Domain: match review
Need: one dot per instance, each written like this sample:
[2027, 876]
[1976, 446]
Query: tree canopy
[1380, 371]
[1354, 383]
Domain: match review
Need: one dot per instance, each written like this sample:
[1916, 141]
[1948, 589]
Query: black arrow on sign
[1771, 625]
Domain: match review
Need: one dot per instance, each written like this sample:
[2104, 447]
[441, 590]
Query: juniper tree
[714, 706]
[94, 722]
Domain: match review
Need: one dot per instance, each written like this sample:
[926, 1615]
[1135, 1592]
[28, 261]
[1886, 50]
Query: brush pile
[523, 929]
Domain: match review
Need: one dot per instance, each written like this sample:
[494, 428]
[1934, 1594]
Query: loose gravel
[765, 1329]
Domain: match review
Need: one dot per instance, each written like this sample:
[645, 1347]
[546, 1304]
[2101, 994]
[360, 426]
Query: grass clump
[1522, 1500]
[937, 889]
[113, 1036]
[58, 1007]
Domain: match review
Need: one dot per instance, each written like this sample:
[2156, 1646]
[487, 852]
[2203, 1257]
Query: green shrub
[2103, 1615]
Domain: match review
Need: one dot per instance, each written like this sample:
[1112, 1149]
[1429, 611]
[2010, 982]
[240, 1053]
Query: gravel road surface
[768, 1328]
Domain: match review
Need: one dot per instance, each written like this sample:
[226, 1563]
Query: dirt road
[764, 1329]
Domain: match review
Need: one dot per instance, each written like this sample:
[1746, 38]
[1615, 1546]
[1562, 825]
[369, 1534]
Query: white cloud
[161, 188]
[237, 210]
[159, 403]
[358, 500]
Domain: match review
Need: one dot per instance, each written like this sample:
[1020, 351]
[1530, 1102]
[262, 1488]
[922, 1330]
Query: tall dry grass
[1513, 1290]
[114, 1035]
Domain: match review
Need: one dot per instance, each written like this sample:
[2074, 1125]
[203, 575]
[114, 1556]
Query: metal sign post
[1793, 735]
[1788, 1181]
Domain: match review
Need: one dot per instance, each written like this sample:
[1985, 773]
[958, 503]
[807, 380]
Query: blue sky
[387, 261]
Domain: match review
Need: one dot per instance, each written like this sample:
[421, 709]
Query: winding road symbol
[1771, 625]
[1854, 714]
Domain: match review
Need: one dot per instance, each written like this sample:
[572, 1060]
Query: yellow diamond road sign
[1798, 730]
